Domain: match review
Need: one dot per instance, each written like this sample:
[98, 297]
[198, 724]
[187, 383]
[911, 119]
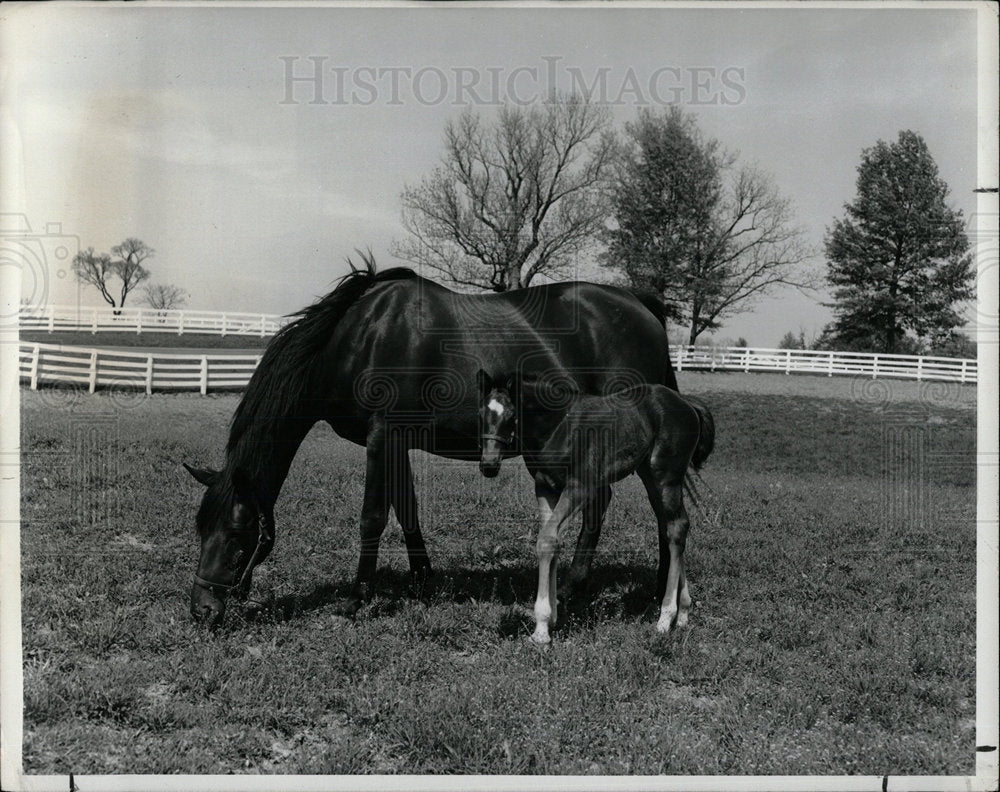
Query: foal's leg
[586, 544]
[676, 529]
[547, 500]
[404, 504]
[547, 550]
[667, 500]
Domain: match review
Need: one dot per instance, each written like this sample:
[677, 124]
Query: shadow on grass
[614, 590]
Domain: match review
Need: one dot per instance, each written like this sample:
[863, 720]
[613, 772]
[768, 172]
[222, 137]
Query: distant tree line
[662, 207]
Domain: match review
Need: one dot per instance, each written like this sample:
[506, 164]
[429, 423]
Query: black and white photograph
[482, 395]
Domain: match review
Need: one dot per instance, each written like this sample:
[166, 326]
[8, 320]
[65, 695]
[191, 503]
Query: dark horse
[389, 360]
[650, 430]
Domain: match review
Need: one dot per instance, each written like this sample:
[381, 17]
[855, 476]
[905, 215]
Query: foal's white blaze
[495, 407]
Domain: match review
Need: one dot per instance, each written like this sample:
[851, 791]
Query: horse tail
[706, 432]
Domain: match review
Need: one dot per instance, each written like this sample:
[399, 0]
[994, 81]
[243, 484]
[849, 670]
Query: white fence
[51, 318]
[167, 370]
[49, 363]
[810, 361]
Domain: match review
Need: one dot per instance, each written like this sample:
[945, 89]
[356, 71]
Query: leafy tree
[898, 261]
[707, 236]
[791, 341]
[97, 269]
[511, 199]
[957, 345]
[164, 296]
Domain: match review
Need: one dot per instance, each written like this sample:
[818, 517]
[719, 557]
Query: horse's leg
[374, 515]
[586, 543]
[404, 504]
[667, 500]
[684, 600]
[547, 550]
[547, 500]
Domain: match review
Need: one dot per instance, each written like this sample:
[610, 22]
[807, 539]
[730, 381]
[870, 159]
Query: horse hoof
[542, 640]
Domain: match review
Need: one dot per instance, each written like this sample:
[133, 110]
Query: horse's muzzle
[206, 608]
[489, 468]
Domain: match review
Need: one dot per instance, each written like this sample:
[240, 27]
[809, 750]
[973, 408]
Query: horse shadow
[614, 590]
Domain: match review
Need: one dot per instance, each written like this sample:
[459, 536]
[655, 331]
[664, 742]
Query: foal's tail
[706, 433]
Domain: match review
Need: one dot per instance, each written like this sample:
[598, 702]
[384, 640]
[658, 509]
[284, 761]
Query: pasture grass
[833, 629]
[160, 340]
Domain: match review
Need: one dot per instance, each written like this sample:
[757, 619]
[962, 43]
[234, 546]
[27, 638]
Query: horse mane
[286, 371]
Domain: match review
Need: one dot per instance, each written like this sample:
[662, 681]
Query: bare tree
[128, 264]
[97, 269]
[511, 199]
[164, 296]
[752, 248]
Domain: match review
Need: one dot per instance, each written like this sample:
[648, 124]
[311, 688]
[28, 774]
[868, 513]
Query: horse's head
[237, 533]
[497, 420]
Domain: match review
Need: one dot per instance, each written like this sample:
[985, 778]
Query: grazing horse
[386, 359]
[646, 429]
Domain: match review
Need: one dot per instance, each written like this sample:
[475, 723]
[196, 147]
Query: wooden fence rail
[169, 370]
[52, 318]
[808, 361]
[149, 371]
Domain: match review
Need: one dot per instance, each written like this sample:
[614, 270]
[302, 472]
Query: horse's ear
[203, 476]
[243, 484]
[511, 384]
[484, 381]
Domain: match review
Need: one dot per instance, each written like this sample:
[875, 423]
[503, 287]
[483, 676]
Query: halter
[502, 439]
[265, 540]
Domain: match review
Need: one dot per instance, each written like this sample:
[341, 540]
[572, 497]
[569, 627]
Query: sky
[198, 130]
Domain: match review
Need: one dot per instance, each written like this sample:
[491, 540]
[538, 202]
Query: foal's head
[497, 421]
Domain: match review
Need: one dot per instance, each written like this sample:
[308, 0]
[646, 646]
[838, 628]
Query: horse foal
[650, 430]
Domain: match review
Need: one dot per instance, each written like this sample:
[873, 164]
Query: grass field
[833, 629]
[169, 340]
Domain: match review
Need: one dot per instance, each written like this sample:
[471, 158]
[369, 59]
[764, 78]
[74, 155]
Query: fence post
[788, 360]
[263, 322]
[965, 364]
[93, 323]
[93, 371]
[52, 318]
[36, 353]
[204, 375]
[149, 375]
[138, 322]
[920, 368]
[180, 324]
[874, 366]
[680, 359]
[746, 360]
[829, 365]
[223, 325]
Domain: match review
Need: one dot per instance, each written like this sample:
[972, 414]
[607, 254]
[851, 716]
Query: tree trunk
[513, 278]
[695, 315]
